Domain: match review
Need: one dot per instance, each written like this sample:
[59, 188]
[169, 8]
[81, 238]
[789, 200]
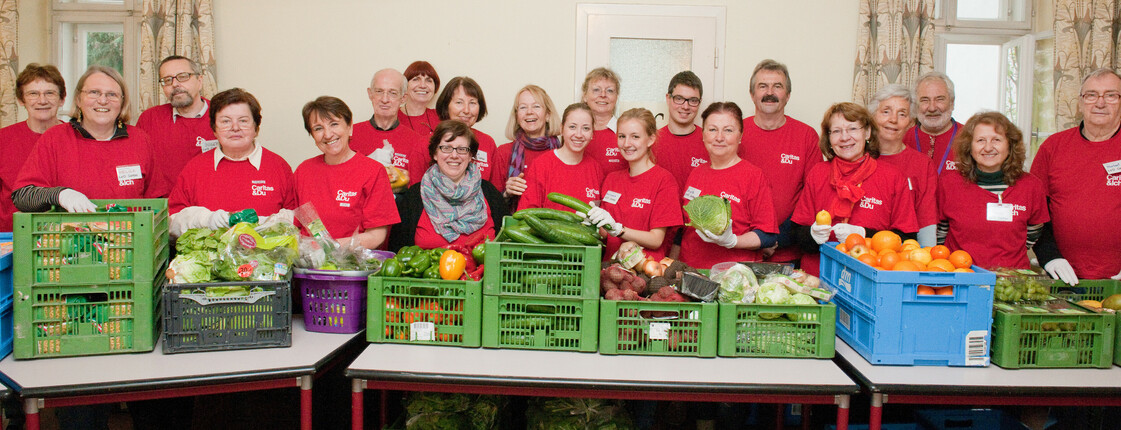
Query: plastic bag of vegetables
[452, 411]
[738, 283]
[576, 414]
[250, 255]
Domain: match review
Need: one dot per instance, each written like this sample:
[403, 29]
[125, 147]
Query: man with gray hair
[1081, 171]
[179, 130]
[383, 130]
[934, 107]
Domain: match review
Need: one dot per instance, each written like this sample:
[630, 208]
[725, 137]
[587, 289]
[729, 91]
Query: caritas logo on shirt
[343, 197]
[951, 165]
[260, 189]
[400, 160]
[788, 158]
[612, 152]
[639, 202]
[729, 197]
[870, 202]
[1113, 180]
[698, 161]
[591, 193]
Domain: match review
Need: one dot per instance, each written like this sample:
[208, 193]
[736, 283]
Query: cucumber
[587, 229]
[575, 231]
[570, 202]
[553, 235]
[547, 213]
[522, 236]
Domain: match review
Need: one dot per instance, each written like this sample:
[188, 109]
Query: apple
[858, 250]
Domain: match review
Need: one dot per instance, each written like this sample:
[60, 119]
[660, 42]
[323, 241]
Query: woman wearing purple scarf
[533, 129]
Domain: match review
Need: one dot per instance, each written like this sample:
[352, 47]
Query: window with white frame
[95, 32]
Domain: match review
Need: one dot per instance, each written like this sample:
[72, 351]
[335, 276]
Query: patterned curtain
[1085, 40]
[895, 45]
[176, 27]
[9, 62]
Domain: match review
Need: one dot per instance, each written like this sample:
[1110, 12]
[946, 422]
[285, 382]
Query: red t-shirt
[887, 204]
[485, 156]
[235, 185]
[427, 238]
[18, 140]
[548, 174]
[100, 169]
[176, 142]
[354, 195]
[500, 168]
[643, 202]
[680, 154]
[604, 149]
[1085, 200]
[991, 243]
[410, 151]
[941, 152]
[921, 180]
[785, 155]
[423, 125]
[746, 188]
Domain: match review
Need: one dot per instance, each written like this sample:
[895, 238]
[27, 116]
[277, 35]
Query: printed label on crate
[846, 280]
[422, 330]
[659, 330]
[976, 351]
[844, 318]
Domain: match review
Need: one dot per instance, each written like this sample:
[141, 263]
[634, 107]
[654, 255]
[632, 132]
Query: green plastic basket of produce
[1094, 289]
[1051, 334]
[658, 328]
[60, 248]
[540, 323]
[424, 311]
[223, 316]
[531, 270]
[72, 320]
[788, 331]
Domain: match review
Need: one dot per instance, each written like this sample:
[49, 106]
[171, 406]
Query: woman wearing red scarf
[533, 128]
[862, 195]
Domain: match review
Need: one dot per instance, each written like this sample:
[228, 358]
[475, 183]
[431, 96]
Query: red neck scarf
[846, 179]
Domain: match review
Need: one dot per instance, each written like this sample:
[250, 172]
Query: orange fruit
[939, 251]
[943, 264]
[925, 290]
[961, 259]
[920, 265]
[889, 259]
[841, 247]
[913, 242]
[920, 256]
[963, 270]
[853, 240]
[869, 259]
[886, 239]
[944, 291]
[906, 266]
[907, 247]
[933, 269]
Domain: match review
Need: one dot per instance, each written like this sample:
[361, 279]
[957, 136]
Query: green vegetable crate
[70, 320]
[1094, 289]
[658, 328]
[224, 316]
[787, 331]
[1051, 334]
[60, 248]
[424, 311]
[531, 270]
[540, 323]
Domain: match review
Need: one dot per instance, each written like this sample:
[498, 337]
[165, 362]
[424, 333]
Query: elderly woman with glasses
[41, 90]
[96, 155]
[452, 204]
[891, 110]
[238, 174]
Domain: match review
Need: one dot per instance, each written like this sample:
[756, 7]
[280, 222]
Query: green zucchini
[522, 236]
[547, 213]
[552, 235]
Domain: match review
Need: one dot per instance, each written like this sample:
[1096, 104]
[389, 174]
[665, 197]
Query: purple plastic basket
[333, 301]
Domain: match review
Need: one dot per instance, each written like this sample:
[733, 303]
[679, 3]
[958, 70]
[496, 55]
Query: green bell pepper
[420, 262]
[433, 272]
[391, 268]
[479, 252]
[407, 253]
[436, 253]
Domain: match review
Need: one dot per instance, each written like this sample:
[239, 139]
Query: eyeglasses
[226, 124]
[693, 101]
[461, 150]
[378, 93]
[1110, 98]
[97, 94]
[36, 95]
[181, 77]
[839, 132]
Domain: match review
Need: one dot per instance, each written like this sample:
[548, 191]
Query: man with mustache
[410, 150]
[783, 147]
[935, 132]
[179, 130]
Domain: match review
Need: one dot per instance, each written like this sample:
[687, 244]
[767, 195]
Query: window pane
[975, 70]
[104, 48]
[979, 9]
[645, 67]
[86, 44]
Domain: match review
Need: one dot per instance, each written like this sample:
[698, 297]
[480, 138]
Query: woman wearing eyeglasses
[452, 204]
[891, 110]
[238, 174]
[423, 83]
[601, 94]
[350, 192]
[41, 91]
[862, 195]
[565, 170]
[97, 155]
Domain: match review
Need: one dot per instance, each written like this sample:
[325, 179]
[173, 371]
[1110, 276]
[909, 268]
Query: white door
[647, 45]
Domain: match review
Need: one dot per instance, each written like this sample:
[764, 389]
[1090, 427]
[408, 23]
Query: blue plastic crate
[5, 329]
[6, 273]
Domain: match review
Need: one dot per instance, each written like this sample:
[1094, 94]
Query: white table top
[97, 374]
[555, 369]
[984, 381]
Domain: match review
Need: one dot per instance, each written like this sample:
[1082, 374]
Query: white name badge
[692, 193]
[611, 197]
[1113, 167]
[481, 156]
[129, 172]
[207, 145]
[998, 212]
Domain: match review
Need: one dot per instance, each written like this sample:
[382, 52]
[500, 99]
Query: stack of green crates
[541, 296]
[89, 283]
[1095, 289]
[423, 311]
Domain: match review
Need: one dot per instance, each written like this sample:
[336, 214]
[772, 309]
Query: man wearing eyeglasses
[935, 132]
[383, 130]
[679, 147]
[783, 147]
[180, 129]
[1081, 171]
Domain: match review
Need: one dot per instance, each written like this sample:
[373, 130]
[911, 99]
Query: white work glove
[820, 232]
[600, 218]
[727, 240]
[283, 215]
[1117, 276]
[219, 220]
[74, 201]
[928, 236]
[843, 230]
[1060, 269]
